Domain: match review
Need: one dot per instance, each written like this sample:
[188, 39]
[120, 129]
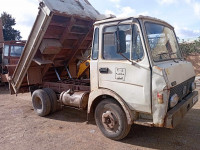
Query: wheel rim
[38, 103]
[110, 121]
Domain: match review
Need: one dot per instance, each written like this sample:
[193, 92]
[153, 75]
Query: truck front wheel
[111, 120]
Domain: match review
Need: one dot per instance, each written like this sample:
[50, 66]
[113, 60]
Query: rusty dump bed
[61, 35]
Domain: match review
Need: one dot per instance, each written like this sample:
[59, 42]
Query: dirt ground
[22, 129]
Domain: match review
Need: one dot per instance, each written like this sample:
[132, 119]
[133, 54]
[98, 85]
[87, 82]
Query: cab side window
[16, 51]
[95, 50]
[110, 42]
[137, 48]
[6, 50]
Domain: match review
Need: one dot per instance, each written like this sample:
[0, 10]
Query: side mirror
[121, 41]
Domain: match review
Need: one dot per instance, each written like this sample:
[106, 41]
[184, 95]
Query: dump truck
[137, 73]
[11, 53]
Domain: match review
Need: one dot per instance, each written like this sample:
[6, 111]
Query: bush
[190, 48]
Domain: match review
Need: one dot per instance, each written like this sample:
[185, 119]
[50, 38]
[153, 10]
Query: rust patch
[159, 125]
[144, 123]
[158, 68]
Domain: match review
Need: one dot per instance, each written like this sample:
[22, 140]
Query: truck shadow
[4, 89]
[185, 136]
[71, 115]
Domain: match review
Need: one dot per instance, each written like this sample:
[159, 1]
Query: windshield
[162, 42]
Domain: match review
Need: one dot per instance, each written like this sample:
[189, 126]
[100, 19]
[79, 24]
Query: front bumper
[175, 115]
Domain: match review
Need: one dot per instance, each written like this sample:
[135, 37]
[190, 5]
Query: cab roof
[134, 17]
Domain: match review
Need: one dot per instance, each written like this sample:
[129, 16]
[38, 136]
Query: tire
[41, 102]
[53, 99]
[111, 120]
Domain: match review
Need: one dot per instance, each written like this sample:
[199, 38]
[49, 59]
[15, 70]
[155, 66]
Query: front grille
[179, 88]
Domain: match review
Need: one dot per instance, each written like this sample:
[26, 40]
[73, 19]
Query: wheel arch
[97, 96]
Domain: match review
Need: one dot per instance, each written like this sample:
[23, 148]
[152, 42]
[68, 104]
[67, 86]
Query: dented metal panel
[167, 79]
[177, 71]
[159, 85]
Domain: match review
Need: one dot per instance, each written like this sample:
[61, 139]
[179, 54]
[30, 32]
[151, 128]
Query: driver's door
[131, 81]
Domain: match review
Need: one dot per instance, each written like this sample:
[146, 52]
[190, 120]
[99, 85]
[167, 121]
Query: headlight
[193, 86]
[174, 100]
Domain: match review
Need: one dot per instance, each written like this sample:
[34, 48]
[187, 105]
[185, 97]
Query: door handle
[103, 70]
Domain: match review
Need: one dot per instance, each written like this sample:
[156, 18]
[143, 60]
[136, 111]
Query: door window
[138, 51]
[110, 42]
[95, 50]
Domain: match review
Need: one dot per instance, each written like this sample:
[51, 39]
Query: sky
[184, 15]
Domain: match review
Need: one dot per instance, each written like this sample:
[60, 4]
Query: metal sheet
[73, 7]
[34, 76]
[39, 28]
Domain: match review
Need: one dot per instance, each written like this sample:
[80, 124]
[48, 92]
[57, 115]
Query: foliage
[9, 32]
[190, 48]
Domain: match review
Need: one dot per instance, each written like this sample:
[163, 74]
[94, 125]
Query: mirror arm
[127, 59]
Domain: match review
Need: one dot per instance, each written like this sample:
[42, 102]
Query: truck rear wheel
[111, 120]
[53, 99]
[41, 102]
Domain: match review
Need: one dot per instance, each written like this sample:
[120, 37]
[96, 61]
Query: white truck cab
[137, 62]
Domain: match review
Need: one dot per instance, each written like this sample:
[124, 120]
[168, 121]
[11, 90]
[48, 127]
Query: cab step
[144, 122]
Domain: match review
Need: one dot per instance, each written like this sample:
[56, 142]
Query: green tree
[9, 32]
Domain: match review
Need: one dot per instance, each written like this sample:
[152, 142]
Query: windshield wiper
[170, 54]
[164, 54]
